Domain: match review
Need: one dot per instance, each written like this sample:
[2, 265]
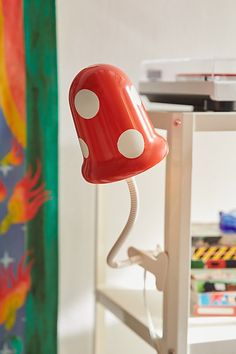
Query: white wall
[124, 33]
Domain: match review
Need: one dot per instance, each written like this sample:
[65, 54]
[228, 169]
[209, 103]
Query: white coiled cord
[151, 327]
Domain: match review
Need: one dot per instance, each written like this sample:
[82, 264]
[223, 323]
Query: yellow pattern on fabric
[15, 122]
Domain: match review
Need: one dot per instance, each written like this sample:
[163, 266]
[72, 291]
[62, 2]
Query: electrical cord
[152, 331]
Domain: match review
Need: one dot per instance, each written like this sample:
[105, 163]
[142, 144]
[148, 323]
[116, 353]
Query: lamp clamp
[157, 264]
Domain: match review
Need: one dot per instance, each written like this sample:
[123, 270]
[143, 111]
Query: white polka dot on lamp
[134, 95]
[131, 143]
[87, 104]
[84, 148]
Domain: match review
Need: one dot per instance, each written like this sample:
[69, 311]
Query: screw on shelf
[177, 123]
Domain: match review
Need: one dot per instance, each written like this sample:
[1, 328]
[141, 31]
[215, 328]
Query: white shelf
[180, 334]
[206, 335]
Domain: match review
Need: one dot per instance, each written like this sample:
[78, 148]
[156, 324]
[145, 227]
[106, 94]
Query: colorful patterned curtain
[28, 177]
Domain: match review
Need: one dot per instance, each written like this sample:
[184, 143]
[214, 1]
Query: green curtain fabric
[42, 113]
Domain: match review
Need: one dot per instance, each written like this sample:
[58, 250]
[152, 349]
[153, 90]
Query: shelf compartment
[206, 335]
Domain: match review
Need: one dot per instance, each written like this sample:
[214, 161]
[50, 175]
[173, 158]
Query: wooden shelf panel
[207, 334]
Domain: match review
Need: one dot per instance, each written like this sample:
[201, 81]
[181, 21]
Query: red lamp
[117, 139]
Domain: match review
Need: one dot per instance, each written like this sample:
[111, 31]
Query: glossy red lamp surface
[117, 139]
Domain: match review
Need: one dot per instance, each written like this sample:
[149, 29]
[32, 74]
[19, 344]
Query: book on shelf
[213, 275]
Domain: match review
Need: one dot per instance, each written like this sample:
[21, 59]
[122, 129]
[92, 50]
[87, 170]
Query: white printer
[205, 84]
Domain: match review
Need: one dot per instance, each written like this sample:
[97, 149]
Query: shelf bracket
[157, 264]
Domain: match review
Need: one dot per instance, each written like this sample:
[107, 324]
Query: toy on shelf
[213, 279]
[228, 221]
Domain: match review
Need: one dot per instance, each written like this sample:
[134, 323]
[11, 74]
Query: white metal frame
[175, 339]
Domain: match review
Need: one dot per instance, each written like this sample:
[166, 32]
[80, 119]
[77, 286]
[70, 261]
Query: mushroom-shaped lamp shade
[117, 139]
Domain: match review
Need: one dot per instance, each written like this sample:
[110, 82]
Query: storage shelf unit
[206, 334]
[179, 333]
